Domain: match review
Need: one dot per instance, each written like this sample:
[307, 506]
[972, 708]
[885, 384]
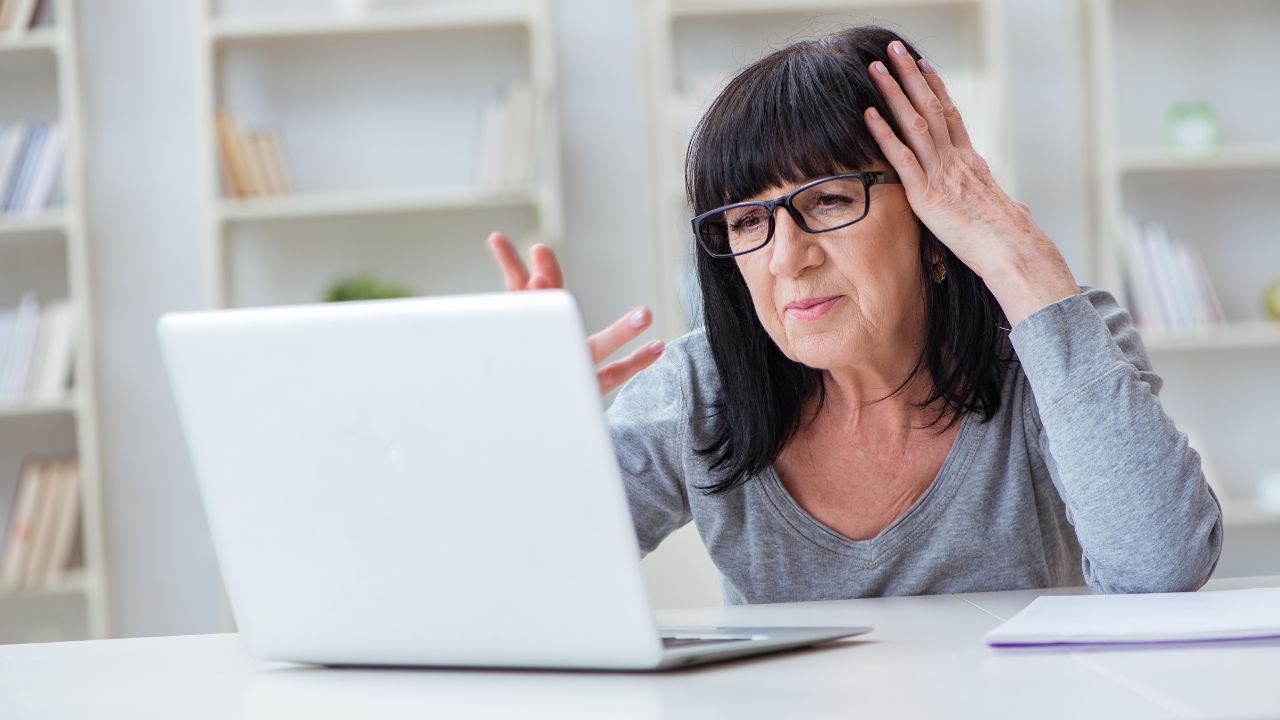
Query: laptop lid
[424, 481]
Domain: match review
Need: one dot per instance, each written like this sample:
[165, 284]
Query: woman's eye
[833, 200]
[746, 222]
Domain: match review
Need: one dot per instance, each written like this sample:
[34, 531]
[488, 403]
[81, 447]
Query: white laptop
[423, 482]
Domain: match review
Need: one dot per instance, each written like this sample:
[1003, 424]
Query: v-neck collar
[907, 525]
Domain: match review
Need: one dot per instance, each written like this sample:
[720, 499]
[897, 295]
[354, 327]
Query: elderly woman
[899, 388]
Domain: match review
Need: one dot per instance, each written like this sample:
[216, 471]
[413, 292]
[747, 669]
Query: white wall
[138, 66]
[143, 211]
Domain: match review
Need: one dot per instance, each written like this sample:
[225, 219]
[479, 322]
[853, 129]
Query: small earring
[939, 272]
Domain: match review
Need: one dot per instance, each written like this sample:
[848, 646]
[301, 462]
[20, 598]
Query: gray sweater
[1080, 477]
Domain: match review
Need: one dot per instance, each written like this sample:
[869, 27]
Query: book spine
[229, 151]
[22, 344]
[65, 525]
[13, 165]
[47, 172]
[13, 566]
[30, 155]
[1138, 269]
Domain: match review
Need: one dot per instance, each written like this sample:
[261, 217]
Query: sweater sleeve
[649, 425]
[1132, 486]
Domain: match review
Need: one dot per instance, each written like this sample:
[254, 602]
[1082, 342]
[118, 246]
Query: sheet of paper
[1154, 618]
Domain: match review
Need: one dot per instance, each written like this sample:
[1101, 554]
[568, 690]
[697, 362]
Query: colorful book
[29, 156]
[13, 163]
[48, 168]
[21, 17]
[13, 566]
[232, 156]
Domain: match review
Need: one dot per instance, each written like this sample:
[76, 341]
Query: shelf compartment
[246, 29]
[319, 205]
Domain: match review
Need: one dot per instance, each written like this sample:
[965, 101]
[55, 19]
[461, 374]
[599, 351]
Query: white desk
[924, 659]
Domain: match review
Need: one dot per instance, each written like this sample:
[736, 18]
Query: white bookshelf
[1140, 58]
[48, 252]
[692, 41]
[379, 110]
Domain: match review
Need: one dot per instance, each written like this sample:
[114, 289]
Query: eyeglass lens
[825, 206]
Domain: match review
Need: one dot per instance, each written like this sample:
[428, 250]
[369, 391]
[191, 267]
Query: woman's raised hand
[952, 191]
[546, 275]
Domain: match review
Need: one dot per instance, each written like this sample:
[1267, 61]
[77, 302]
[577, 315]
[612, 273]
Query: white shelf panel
[1239, 157]
[30, 409]
[1259, 334]
[41, 38]
[453, 17]
[15, 223]
[314, 205]
[713, 8]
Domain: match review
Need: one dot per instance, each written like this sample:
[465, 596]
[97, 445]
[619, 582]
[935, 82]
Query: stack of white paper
[1150, 618]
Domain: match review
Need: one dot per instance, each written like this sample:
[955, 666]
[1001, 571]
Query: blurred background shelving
[48, 398]
[1220, 199]
[381, 114]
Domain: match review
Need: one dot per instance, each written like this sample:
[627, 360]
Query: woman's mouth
[810, 309]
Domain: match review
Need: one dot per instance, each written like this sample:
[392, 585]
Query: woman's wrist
[1028, 275]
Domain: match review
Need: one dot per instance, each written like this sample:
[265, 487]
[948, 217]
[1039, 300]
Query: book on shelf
[37, 351]
[31, 154]
[513, 132]
[1168, 286]
[253, 161]
[18, 16]
[39, 545]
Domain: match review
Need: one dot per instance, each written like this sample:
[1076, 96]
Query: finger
[514, 273]
[545, 266]
[955, 123]
[615, 373]
[896, 152]
[607, 341]
[914, 126]
[921, 95]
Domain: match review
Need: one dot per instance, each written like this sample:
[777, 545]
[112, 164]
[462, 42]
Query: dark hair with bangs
[793, 116]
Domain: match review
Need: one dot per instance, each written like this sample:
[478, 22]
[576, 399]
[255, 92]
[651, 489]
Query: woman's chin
[819, 350]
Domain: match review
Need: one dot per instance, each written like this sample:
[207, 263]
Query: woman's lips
[810, 309]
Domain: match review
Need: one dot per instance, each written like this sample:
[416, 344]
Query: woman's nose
[793, 249]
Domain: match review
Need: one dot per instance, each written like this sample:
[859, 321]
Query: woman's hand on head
[952, 191]
[545, 276]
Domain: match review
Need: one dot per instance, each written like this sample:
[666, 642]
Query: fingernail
[879, 67]
[875, 114]
[655, 347]
[927, 66]
[638, 318]
[897, 48]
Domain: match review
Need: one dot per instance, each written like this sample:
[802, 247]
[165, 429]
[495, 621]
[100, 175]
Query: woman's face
[841, 298]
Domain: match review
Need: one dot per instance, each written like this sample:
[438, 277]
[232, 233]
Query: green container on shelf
[1191, 130]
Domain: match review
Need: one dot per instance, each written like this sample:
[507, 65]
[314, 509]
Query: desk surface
[925, 658]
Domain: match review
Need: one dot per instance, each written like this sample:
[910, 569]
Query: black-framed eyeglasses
[820, 206]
